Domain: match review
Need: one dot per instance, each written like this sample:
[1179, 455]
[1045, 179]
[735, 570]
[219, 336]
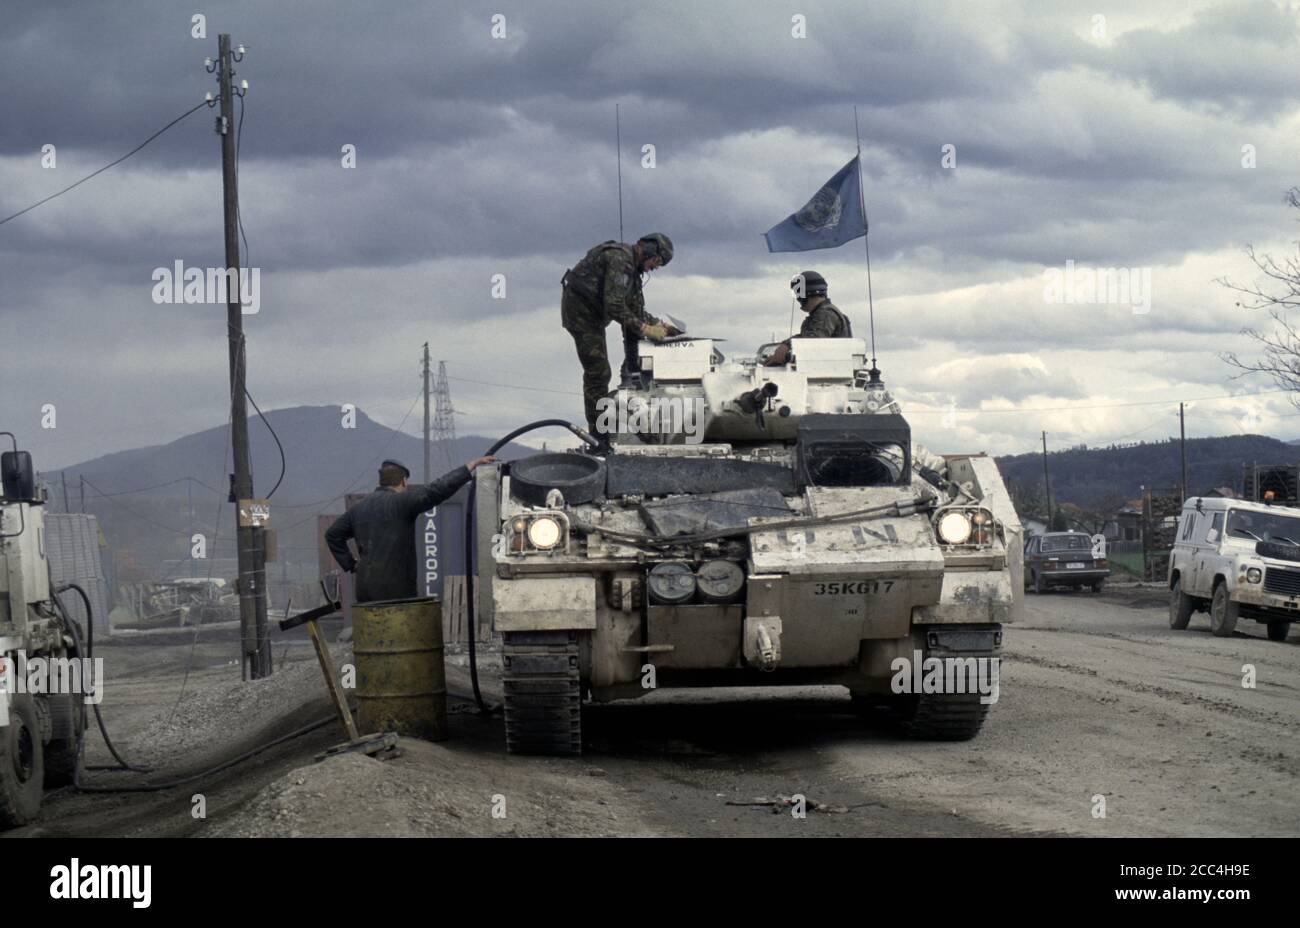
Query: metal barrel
[401, 680]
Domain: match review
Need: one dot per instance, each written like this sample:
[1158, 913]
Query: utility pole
[1047, 484]
[250, 540]
[64, 475]
[428, 476]
[82, 477]
[1182, 441]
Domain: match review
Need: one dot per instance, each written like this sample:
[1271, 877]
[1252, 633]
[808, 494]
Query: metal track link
[944, 716]
[543, 697]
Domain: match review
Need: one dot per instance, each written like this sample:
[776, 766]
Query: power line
[514, 386]
[156, 486]
[397, 431]
[1024, 409]
[239, 209]
[283, 465]
[143, 518]
[107, 166]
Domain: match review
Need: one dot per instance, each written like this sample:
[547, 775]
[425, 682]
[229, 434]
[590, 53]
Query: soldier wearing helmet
[605, 287]
[823, 320]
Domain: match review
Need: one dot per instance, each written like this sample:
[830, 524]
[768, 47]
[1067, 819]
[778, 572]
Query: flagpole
[866, 241]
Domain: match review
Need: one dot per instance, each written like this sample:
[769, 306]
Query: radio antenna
[618, 148]
[866, 241]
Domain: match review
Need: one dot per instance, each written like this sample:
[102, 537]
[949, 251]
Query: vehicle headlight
[954, 528]
[1254, 575]
[544, 533]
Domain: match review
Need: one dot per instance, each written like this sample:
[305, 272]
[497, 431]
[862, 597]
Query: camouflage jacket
[608, 288]
[826, 321]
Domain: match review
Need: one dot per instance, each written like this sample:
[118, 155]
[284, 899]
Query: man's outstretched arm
[423, 497]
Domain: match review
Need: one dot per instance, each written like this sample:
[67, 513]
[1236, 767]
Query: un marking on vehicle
[852, 587]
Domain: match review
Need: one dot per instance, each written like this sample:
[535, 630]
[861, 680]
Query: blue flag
[831, 218]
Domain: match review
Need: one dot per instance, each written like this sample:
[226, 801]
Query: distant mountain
[1098, 477]
[148, 509]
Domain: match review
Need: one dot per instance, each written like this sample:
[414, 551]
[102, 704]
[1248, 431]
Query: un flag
[832, 217]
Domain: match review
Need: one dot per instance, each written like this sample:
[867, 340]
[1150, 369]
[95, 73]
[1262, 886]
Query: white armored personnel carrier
[751, 525]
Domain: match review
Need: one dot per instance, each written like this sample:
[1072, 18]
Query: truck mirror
[19, 478]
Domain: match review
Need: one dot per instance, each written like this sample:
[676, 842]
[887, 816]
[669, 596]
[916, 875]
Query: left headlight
[954, 528]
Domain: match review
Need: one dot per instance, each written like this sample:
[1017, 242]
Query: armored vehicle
[750, 525]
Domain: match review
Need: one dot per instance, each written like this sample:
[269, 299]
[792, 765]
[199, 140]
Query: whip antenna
[866, 241]
[618, 148]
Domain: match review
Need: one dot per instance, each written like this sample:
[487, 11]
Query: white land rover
[1236, 559]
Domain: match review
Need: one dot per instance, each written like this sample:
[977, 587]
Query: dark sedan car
[1063, 559]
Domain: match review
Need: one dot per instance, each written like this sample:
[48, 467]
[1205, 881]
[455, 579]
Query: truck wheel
[1099, 586]
[1181, 606]
[1277, 631]
[22, 764]
[61, 753]
[543, 699]
[1223, 612]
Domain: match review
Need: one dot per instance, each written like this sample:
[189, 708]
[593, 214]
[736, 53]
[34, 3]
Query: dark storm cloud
[1239, 57]
[479, 156]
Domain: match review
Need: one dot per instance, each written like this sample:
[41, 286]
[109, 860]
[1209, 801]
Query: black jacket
[383, 525]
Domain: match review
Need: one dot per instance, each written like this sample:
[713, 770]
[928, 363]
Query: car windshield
[1263, 526]
[1067, 543]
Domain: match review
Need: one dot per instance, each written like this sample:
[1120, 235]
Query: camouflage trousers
[594, 359]
[593, 354]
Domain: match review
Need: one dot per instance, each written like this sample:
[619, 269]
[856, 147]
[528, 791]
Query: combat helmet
[813, 284]
[656, 244]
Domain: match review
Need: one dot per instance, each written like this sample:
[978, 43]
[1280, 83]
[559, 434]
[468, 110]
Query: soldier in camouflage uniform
[823, 320]
[605, 287]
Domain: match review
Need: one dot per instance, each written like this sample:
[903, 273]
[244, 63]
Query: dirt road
[1099, 698]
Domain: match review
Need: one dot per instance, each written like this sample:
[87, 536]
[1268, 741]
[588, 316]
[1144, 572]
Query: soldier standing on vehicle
[823, 320]
[605, 287]
[383, 525]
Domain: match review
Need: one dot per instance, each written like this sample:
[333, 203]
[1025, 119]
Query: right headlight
[544, 533]
[538, 532]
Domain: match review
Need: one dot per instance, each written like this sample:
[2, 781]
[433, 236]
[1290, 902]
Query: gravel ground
[1099, 698]
[435, 791]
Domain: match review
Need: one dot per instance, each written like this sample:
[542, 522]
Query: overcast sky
[1114, 142]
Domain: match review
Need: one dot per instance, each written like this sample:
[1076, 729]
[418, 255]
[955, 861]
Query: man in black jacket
[383, 525]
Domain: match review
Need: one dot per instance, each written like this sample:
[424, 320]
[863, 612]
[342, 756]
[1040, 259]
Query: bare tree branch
[1279, 349]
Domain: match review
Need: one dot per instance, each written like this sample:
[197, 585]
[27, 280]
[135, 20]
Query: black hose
[470, 572]
[543, 423]
[99, 716]
[90, 626]
[103, 730]
[224, 765]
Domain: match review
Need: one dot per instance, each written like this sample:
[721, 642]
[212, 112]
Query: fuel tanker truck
[748, 525]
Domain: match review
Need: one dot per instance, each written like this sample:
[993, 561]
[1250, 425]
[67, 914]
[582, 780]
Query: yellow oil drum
[401, 680]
